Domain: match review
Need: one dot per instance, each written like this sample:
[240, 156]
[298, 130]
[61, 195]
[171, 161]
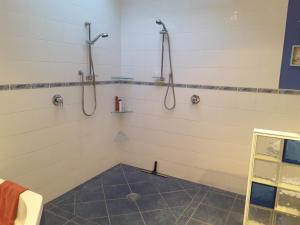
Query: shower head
[159, 22]
[102, 35]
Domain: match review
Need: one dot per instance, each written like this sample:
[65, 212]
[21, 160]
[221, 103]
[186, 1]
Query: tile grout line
[187, 205]
[197, 206]
[132, 192]
[105, 202]
[227, 218]
[168, 207]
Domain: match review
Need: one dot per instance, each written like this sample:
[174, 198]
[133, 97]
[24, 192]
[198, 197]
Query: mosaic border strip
[220, 88]
[12, 87]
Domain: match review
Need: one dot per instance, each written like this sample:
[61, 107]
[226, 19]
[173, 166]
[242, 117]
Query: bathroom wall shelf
[122, 78]
[125, 112]
[273, 191]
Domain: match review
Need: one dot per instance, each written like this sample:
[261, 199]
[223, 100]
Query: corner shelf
[125, 112]
[122, 78]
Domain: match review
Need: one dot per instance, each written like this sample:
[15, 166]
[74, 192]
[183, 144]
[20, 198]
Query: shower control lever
[58, 100]
[195, 99]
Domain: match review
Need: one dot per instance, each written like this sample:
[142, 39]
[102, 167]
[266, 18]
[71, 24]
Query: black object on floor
[154, 171]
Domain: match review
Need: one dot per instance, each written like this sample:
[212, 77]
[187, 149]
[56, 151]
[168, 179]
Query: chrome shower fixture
[159, 22]
[91, 42]
[166, 41]
[91, 77]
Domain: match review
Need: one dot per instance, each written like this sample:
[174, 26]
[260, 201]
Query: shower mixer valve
[58, 100]
[195, 99]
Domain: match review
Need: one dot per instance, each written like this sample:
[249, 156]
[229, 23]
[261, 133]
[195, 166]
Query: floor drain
[133, 197]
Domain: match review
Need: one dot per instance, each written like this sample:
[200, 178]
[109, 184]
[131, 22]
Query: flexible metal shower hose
[171, 78]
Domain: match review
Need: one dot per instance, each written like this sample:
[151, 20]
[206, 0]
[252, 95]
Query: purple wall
[290, 76]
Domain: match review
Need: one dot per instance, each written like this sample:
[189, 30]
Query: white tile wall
[47, 149]
[232, 43]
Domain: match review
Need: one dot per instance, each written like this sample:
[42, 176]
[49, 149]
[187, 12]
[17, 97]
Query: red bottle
[117, 104]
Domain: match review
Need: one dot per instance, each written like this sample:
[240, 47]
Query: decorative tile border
[220, 88]
[14, 87]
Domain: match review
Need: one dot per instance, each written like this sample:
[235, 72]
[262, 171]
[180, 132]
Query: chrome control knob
[195, 99]
[58, 100]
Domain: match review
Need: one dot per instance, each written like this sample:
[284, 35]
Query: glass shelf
[122, 112]
[122, 78]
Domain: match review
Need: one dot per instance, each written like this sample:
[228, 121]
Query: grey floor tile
[89, 196]
[129, 219]
[51, 219]
[67, 198]
[62, 213]
[121, 206]
[177, 198]
[195, 222]
[235, 219]
[188, 185]
[159, 217]
[178, 211]
[218, 200]
[233, 195]
[238, 206]
[167, 185]
[151, 202]
[192, 192]
[70, 208]
[82, 221]
[91, 210]
[91, 186]
[85, 204]
[101, 221]
[210, 215]
[113, 176]
[48, 206]
[144, 188]
[242, 197]
[71, 223]
[137, 176]
[116, 191]
[185, 216]
[128, 168]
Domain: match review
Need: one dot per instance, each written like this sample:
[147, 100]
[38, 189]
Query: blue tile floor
[104, 200]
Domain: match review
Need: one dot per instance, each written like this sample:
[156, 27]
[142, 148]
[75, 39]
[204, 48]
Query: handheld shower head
[102, 35]
[161, 23]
